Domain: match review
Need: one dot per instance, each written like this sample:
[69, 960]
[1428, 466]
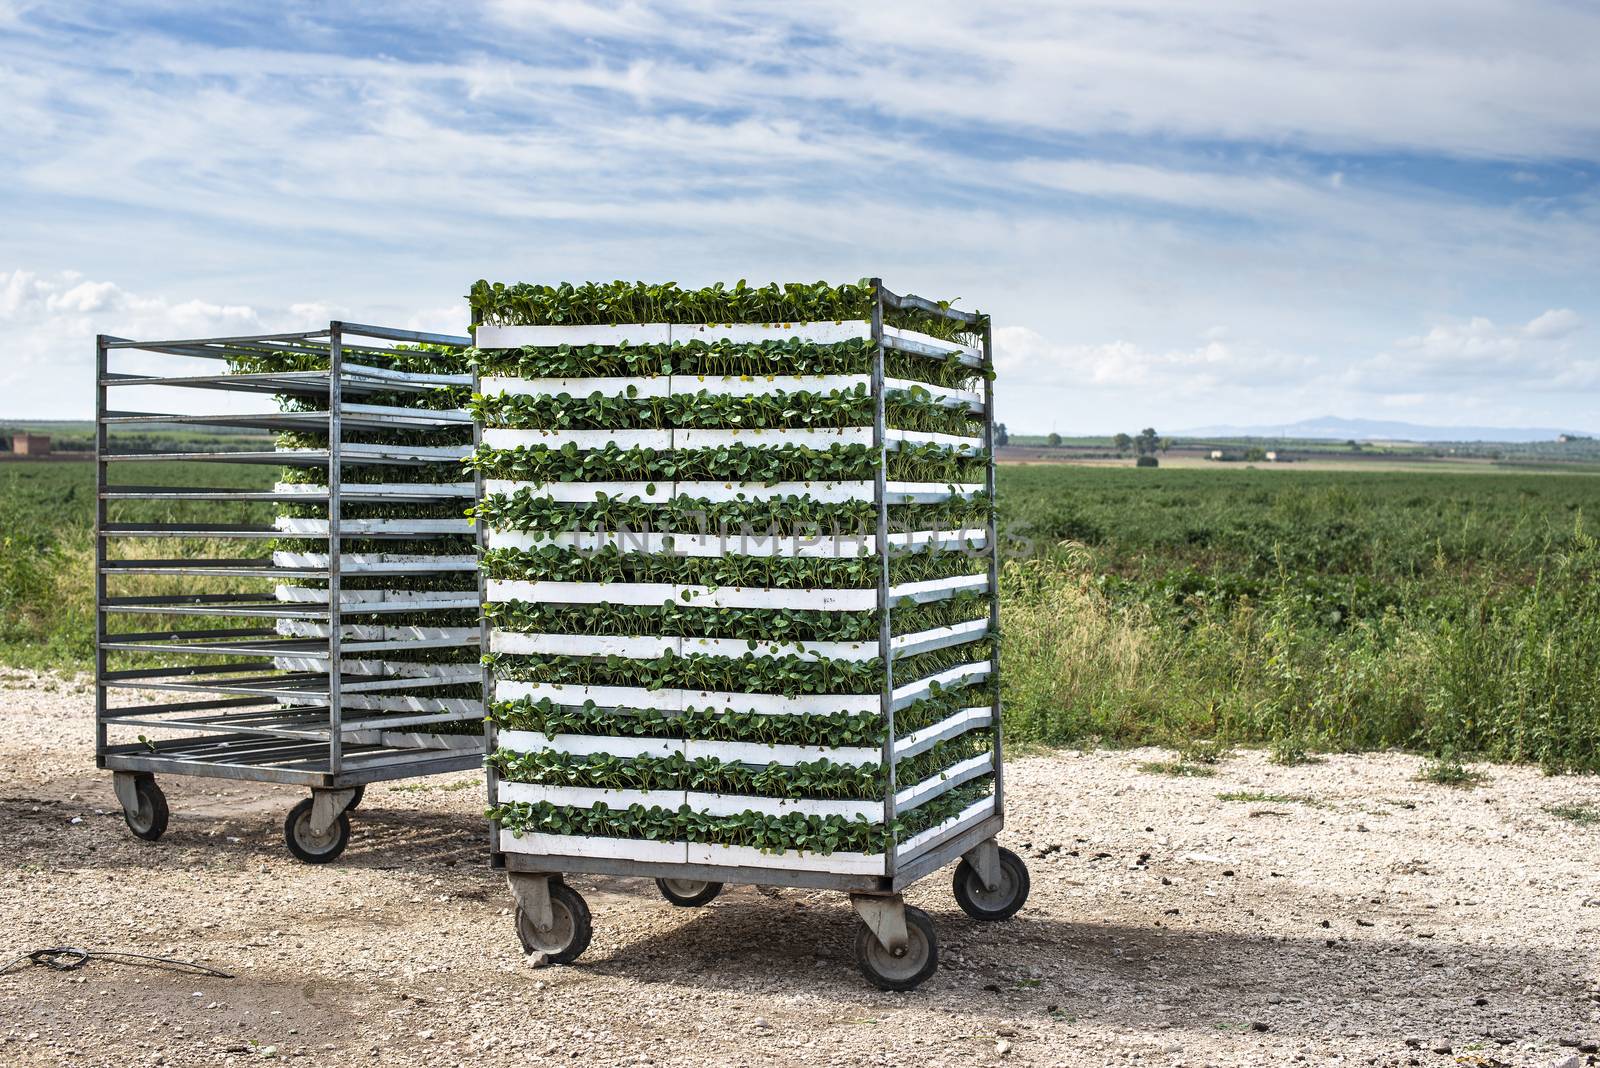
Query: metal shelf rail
[285, 578]
[590, 770]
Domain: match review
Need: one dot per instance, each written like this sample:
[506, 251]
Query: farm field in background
[1455, 612]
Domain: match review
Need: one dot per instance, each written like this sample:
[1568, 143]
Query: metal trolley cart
[284, 570]
[651, 717]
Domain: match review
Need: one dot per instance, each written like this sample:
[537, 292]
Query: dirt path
[1337, 913]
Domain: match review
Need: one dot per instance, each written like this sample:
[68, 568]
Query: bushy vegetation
[1458, 615]
[47, 549]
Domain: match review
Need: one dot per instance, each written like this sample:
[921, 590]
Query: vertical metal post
[490, 733]
[994, 569]
[335, 599]
[881, 496]
[101, 443]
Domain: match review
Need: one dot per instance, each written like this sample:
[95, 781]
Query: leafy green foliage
[673, 619]
[766, 465]
[772, 834]
[785, 675]
[557, 563]
[530, 509]
[708, 724]
[717, 359]
[602, 303]
[834, 410]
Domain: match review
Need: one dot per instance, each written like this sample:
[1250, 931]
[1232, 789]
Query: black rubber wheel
[149, 820]
[310, 847]
[355, 798]
[688, 893]
[1003, 901]
[568, 937]
[907, 971]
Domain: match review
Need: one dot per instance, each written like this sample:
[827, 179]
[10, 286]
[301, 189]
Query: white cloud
[1553, 324]
[1026, 356]
[1118, 178]
[1477, 355]
[50, 322]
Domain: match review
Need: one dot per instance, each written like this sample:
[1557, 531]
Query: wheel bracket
[985, 860]
[533, 898]
[126, 784]
[885, 917]
[327, 806]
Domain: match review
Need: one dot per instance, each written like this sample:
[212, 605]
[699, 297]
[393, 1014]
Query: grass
[1446, 769]
[1261, 798]
[1582, 815]
[47, 549]
[1305, 612]
[1177, 768]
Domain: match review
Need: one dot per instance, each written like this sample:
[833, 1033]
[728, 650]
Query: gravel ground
[1335, 913]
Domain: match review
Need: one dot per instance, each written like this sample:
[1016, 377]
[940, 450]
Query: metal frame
[900, 872]
[269, 718]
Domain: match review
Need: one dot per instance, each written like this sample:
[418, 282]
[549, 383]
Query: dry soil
[1341, 912]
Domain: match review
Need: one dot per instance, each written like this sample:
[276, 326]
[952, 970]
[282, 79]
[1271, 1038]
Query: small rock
[1005, 1031]
[1259, 1026]
[1573, 1061]
[761, 1022]
[425, 1035]
[1414, 1043]
[1172, 1047]
[1442, 1047]
[1002, 1047]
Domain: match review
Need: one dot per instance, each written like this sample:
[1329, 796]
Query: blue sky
[1239, 212]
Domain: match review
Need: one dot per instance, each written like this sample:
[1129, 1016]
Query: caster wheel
[568, 937]
[907, 971]
[309, 846]
[355, 798]
[149, 819]
[688, 893]
[1003, 901]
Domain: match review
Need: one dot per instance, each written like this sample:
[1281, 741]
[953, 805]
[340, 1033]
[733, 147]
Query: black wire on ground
[70, 959]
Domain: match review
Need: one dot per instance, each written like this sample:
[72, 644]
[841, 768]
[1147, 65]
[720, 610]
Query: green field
[1299, 609]
[47, 547]
[1306, 610]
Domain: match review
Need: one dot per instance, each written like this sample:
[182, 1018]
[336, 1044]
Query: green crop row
[556, 563]
[765, 465]
[411, 359]
[720, 359]
[837, 409]
[619, 302]
[696, 671]
[369, 474]
[771, 834]
[711, 724]
[672, 619]
[529, 509]
[821, 779]
[787, 675]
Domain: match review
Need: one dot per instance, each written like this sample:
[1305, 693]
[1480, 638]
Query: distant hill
[1332, 427]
